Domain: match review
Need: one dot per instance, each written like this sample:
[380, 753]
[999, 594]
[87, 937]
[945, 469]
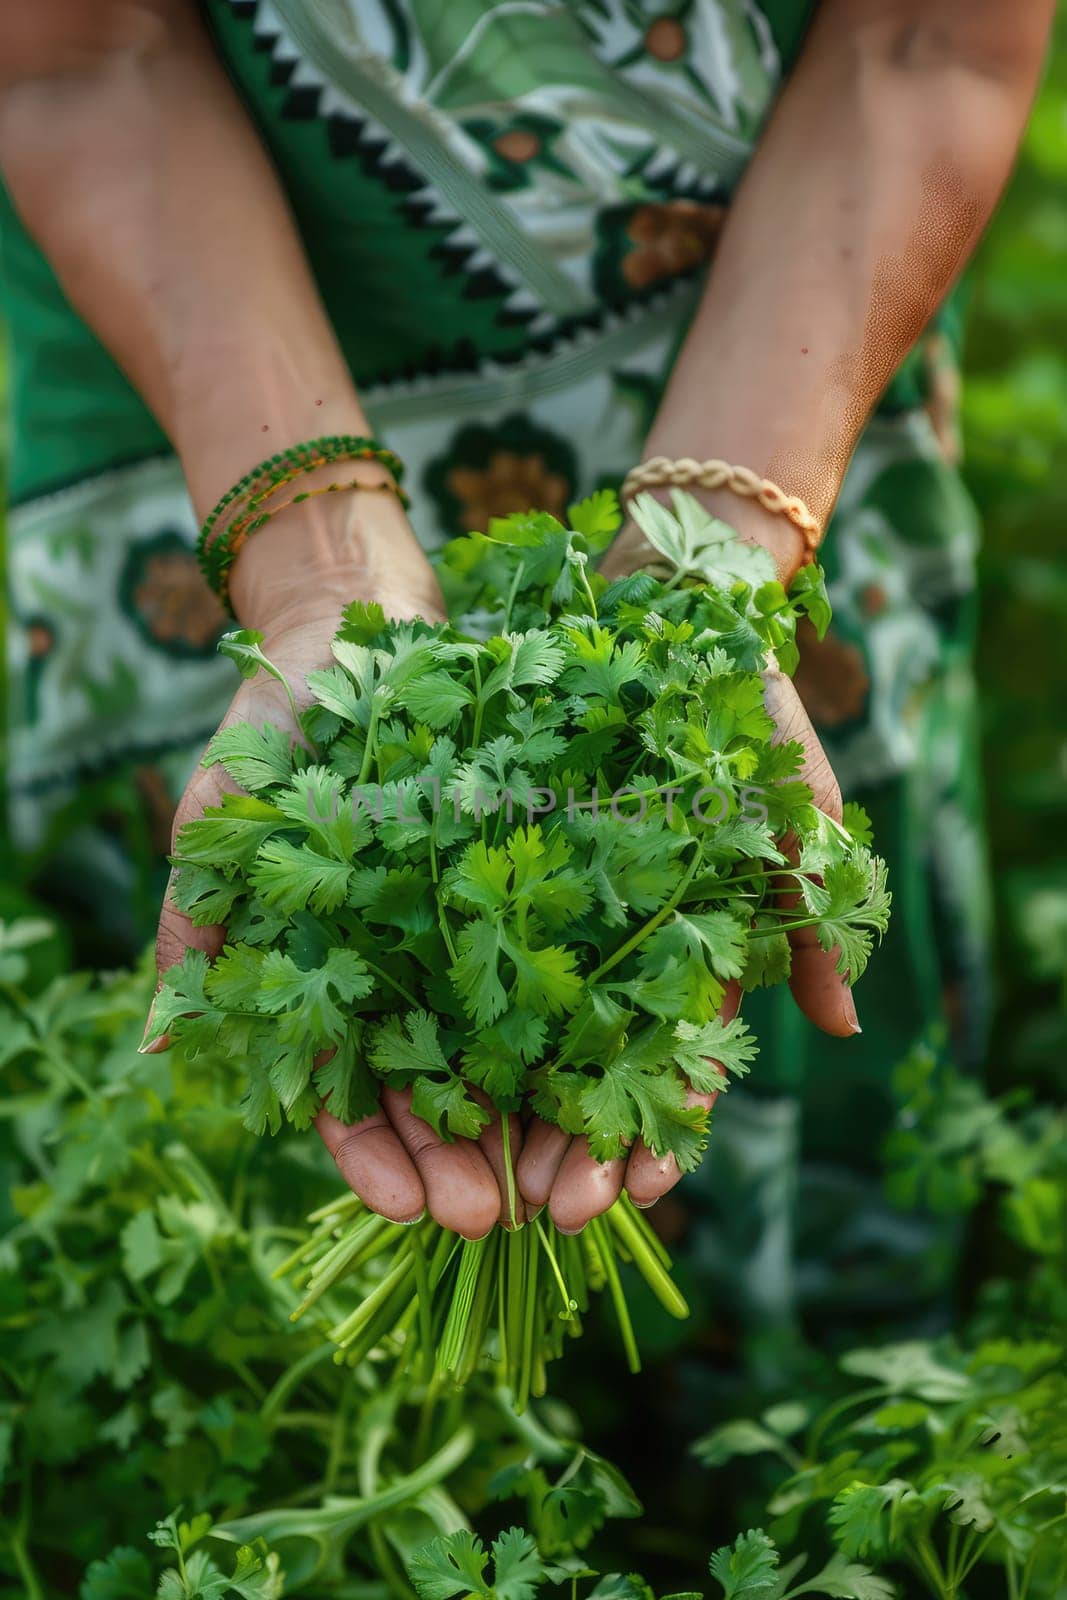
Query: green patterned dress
[527, 194]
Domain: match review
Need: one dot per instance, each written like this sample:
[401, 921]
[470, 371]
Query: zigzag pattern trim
[354, 133]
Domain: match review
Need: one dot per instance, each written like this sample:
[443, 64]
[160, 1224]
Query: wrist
[313, 558]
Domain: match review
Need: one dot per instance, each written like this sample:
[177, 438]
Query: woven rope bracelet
[236, 538]
[240, 510]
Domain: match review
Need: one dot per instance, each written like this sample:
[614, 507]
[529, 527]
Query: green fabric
[73, 411]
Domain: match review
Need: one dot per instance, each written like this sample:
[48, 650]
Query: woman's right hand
[291, 581]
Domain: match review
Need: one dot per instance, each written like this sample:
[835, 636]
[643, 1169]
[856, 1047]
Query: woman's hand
[818, 988]
[291, 581]
[558, 1170]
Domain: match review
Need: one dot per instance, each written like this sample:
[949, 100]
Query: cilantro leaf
[123, 1575]
[409, 1051]
[231, 831]
[596, 517]
[294, 876]
[448, 1566]
[748, 1570]
[723, 1047]
[697, 544]
[317, 994]
[254, 757]
[517, 1566]
[475, 971]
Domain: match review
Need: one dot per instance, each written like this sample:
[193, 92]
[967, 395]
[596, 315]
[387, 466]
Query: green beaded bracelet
[217, 547]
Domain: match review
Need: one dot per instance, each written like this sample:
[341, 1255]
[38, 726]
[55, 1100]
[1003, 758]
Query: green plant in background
[147, 1359]
[127, 1573]
[945, 1456]
[1015, 463]
[954, 1148]
[460, 1568]
[146, 1354]
[936, 1461]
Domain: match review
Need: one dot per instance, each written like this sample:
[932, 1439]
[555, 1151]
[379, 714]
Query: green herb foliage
[147, 1357]
[147, 1360]
[525, 851]
[934, 1460]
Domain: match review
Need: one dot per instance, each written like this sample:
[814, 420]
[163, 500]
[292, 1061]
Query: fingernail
[848, 1008]
[154, 1047]
[151, 1047]
[409, 1222]
[568, 1233]
[642, 1205]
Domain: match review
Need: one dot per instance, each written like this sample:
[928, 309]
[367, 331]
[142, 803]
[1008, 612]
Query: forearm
[873, 181]
[135, 168]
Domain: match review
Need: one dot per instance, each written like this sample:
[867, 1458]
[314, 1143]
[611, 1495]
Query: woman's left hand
[558, 1170]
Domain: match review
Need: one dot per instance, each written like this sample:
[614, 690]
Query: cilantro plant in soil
[521, 852]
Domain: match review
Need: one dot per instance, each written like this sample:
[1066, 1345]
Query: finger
[584, 1187]
[461, 1191]
[543, 1150]
[176, 932]
[491, 1144]
[821, 992]
[375, 1165]
[648, 1176]
[793, 723]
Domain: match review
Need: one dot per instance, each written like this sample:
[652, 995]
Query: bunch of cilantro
[526, 850]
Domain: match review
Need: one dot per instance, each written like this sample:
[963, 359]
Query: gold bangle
[660, 472]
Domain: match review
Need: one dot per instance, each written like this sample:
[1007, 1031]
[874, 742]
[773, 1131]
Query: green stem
[33, 1589]
[459, 1315]
[932, 1567]
[647, 1262]
[346, 1331]
[426, 1416]
[402, 1491]
[1012, 1576]
[583, 579]
[370, 748]
[1028, 1572]
[570, 1305]
[509, 1174]
[528, 1326]
[783, 927]
[650, 926]
[278, 674]
[384, 976]
[952, 1555]
[423, 1304]
[512, 592]
[479, 706]
[606, 1251]
[289, 1380]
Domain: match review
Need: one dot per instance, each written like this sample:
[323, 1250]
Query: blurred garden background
[85, 1470]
